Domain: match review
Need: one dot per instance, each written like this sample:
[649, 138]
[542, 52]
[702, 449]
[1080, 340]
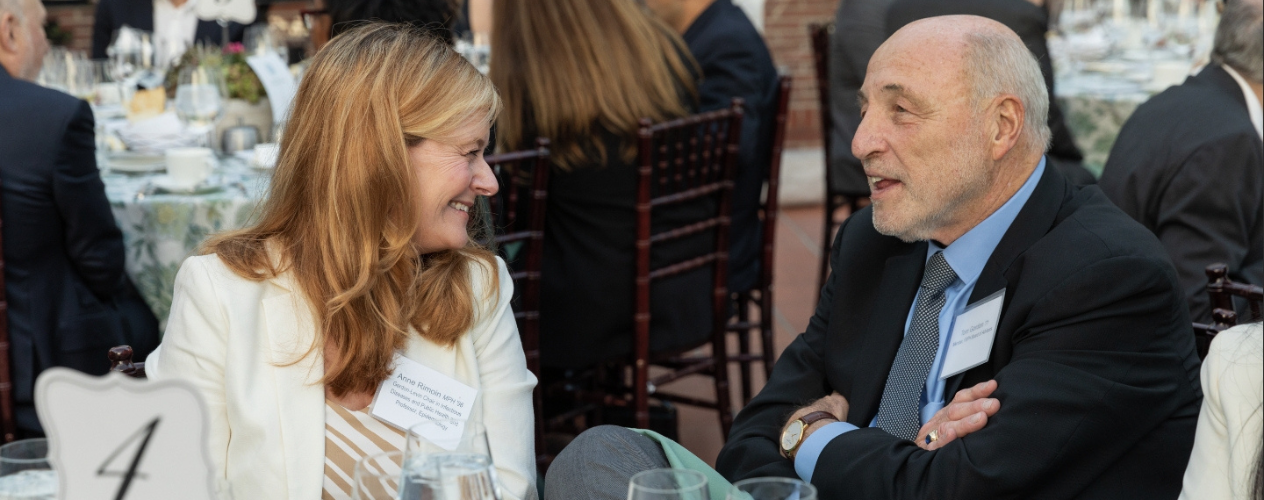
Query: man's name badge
[416, 393]
[973, 332]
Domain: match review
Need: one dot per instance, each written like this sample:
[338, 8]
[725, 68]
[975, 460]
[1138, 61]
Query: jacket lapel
[1035, 220]
[300, 395]
[901, 276]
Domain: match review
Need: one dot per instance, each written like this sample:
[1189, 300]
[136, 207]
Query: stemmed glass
[668, 484]
[771, 488]
[200, 96]
[451, 456]
[25, 472]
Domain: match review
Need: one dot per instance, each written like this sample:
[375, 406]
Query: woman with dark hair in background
[582, 73]
[1226, 460]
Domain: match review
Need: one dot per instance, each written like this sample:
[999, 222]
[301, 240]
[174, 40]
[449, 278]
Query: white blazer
[1227, 443]
[237, 340]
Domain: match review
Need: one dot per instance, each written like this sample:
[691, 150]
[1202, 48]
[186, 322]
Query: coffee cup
[189, 166]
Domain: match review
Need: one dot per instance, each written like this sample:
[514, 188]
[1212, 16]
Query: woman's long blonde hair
[341, 214]
[563, 66]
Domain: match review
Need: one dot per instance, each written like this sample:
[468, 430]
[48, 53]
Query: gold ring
[932, 437]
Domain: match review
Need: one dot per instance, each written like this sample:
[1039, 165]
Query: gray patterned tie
[899, 413]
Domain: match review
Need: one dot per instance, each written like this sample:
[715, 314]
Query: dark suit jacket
[69, 299]
[1031, 23]
[1188, 165]
[114, 14]
[735, 63]
[1094, 359]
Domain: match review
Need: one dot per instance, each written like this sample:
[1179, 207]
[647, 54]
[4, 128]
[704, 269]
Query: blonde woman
[361, 253]
[582, 73]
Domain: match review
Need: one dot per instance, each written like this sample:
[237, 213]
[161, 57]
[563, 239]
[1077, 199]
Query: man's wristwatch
[792, 437]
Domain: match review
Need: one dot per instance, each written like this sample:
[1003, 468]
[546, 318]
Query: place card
[117, 437]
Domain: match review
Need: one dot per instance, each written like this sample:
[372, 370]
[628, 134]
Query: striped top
[349, 436]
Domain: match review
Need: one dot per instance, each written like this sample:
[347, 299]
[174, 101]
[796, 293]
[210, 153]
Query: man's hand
[968, 412]
[835, 404]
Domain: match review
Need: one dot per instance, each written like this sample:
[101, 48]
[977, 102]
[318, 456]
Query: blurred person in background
[1189, 163]
[174, 24]
[69, 297]
[860, 26]
[582, 73]
[330, 17]
[361, 254]
[1030, 19]
[1226, 461]
[735, 63]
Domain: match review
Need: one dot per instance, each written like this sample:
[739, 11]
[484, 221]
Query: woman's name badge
[972, 334]
[416, 393]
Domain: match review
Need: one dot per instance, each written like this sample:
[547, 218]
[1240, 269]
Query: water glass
[668, 484]
[451, 457]
[771, 488]
[131, 51]
[25, 473]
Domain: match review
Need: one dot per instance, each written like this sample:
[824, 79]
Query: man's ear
[8, 32]
[1008, 113]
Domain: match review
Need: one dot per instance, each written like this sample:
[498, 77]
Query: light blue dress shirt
[966, 257]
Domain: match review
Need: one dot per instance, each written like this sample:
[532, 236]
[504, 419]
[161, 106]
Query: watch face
[790, 438]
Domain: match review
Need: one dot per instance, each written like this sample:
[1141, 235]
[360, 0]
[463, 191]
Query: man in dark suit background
[69, 298]
[1084, 383]
[114, 14]
[1189, 164]
[734, 63]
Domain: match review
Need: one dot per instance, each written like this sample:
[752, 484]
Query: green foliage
[241, 81]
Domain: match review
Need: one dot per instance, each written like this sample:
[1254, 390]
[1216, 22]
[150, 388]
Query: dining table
[162, 228]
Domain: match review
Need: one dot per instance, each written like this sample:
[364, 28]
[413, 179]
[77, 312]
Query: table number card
[119, 438]
[277, 81]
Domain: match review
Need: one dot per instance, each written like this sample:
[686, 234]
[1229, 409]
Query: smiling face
[920, 139]
[451, 172]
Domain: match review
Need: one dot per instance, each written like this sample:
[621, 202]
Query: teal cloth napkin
[680, 458]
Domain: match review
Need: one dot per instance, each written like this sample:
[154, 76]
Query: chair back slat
[820, 35]
[8, 420]
[686, 160]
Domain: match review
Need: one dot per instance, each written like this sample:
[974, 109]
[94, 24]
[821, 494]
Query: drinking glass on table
[451, 457]
[200, 96]
[668, 484]
[25, 473]
[771, 488]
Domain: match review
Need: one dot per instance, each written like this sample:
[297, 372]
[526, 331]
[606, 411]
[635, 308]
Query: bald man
[1055, 320]
[69, 298]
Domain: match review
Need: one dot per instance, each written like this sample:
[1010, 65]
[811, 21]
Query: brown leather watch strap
[817, 416]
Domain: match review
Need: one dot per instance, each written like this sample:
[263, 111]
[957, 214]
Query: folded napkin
[157, 134]
[681, 458]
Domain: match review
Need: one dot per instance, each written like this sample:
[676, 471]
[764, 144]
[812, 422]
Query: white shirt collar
[1252, 103]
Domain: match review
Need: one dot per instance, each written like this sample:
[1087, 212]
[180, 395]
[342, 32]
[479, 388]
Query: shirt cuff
[811, 448]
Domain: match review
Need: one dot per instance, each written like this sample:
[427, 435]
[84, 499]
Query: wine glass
[451, 456]
[771, 488]
[200, 96]
[668, 484]
[25, 472]
[131, 51]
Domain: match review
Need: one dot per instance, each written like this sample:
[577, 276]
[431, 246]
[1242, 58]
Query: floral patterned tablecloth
[161, 230]
[1095, 107]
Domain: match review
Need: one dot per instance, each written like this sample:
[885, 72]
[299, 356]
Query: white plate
[136, 162]
[165, 183]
